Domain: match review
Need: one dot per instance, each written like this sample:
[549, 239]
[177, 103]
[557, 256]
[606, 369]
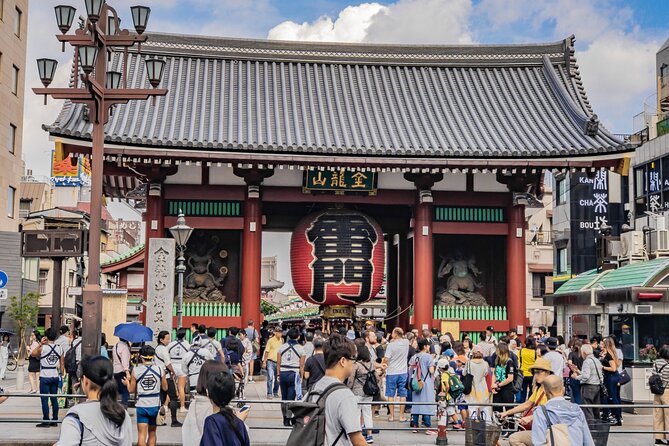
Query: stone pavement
[264, 421]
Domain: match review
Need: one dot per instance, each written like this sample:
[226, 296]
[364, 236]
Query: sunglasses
[351, 358]
[537, 371]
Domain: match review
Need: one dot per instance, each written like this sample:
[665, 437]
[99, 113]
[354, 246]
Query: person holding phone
[223, 427]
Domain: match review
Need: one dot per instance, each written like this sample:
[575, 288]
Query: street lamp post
[92, 43]
[181, 233]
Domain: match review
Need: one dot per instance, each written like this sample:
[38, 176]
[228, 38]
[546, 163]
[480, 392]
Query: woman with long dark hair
[223, 428]
[504, 371]
[101, 419]
[611, 381]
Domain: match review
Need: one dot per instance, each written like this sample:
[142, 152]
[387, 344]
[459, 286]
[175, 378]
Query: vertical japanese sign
[160, 285]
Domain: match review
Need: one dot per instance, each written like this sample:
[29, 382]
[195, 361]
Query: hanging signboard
[54, 243]
[339, 181]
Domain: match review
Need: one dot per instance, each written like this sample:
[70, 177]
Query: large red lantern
[337, 257]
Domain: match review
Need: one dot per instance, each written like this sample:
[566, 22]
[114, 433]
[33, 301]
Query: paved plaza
[265, 423]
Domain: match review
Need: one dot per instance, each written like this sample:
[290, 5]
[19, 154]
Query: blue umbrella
[6, 332]
[133, 332]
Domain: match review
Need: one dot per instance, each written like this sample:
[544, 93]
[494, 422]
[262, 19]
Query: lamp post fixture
[181, 233]
[98, 89]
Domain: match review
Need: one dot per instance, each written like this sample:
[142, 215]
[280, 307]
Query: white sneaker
[183, 410]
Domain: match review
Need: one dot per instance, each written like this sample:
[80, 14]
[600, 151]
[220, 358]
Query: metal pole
[56, 301]
[181, 269]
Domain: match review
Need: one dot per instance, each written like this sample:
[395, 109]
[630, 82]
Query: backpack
[70, 359]
[371, 386]
[655, 381]
[558, 434]
[467, 381]
[455, 387]
[517, 379]
[309, 428]
[415, 381]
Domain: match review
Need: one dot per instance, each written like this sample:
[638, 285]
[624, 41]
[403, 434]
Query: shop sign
[339, 181]
[338, 312]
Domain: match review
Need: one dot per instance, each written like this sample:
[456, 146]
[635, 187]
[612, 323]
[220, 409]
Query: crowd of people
[423, 374]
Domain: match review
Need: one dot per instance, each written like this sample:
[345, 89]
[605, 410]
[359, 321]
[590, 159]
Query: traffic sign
[3, 279]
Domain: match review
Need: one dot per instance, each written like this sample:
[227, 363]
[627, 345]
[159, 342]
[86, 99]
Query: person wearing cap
[269, 362]
[479, 369]
[556, 358]
[490, 335]
[541, 369]
[445, 372]
[147, 380]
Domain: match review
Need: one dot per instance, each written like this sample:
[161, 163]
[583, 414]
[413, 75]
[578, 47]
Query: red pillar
[405, 273]
[251, 261]
[423, 266]
[515, 267]
[154, 228]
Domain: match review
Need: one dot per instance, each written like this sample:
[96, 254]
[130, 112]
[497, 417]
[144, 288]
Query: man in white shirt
[192, 363]
[342, 416]
[396, 360]
[555, 357]
[63, 340]
[177, 350]
[168, 397]
[51, 370]
[290, 361]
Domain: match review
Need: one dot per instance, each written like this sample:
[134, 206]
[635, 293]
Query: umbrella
[6, 332]
[133, 332]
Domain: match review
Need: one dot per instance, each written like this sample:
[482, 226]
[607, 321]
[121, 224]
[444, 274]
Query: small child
[445, 374]
[147, 380]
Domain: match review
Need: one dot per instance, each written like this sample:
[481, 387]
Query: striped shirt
[659, 364]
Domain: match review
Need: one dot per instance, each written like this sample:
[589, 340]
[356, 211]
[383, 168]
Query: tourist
[223, 427]
[487, 348]
[63, 340]
[33, 362]
[168, 397]
[356, 381]
[575, 362]
[254, 338]
[479, 369]
[314, 366]
[101, 419]
[269, 362]
[395, 359]
[557, 410]
[208, 341]
[513, 334]
[526, 358]
[541, 370]
[177, 350]
[589, 376]
[290, 361]
[72, 370]
[661, 414]
[104, 347]
[467, 347]
[342, 417]
[247, 357]
[503, 373]
[423, 359]
[192, 363]
[195, 332]
[543, 334]
[555, 357]
[308, 344]
[121, 361]
[234, 353]
[610, 364]
[200, 406]
[542, 350]
[147, 380]
[51, 369]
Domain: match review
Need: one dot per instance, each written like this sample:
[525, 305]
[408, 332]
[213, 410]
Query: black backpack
[655, 382]
[70, 359]
[309, 428]
[371, 386]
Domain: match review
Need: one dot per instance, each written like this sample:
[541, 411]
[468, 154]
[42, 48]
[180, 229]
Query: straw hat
[542, 364]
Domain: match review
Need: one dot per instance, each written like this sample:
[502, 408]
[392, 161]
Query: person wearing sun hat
[540, 369]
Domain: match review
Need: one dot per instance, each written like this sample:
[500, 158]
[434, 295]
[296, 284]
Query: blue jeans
[427, 420]
[49, 386]
[122, 389]
[272, 383]
[575, 390]
[287, 382]
[611, 382]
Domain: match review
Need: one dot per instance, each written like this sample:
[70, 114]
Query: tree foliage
[23, 310]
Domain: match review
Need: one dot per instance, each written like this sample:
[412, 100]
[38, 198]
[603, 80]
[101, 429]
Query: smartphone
[244, 408]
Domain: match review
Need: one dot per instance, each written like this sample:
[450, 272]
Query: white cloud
[407, 21]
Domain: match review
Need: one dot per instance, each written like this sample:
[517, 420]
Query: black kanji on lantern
[343, 245]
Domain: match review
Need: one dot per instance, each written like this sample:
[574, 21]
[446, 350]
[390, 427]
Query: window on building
[71, 281]
[539, 284]
[17, 21]
[562, 260]
[43, 275]
[12, 138]
[24, 208]
[11, 197]
[561, 191]
[15, 80]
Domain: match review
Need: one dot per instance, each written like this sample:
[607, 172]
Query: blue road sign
[3, 279]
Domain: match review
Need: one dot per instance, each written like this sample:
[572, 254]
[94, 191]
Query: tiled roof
[228, 95]
[123, 256]
[577, 283]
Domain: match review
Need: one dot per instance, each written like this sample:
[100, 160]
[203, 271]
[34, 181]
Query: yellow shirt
[527, 358]
[535, 394]
[272, 348]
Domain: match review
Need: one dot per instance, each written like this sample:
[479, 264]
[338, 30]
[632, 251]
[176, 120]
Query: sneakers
[430, 432]
[176, 423]
[369, 439]
[276, 395]
[269, 397]
[43, 425]
[183, 410]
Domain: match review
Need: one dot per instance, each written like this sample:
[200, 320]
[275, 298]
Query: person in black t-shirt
[314, 367]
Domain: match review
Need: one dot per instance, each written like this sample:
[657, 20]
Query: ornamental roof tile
[238, 95]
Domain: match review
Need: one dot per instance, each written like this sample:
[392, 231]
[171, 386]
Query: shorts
[178, 370]
[396, 384]
[147, 415]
